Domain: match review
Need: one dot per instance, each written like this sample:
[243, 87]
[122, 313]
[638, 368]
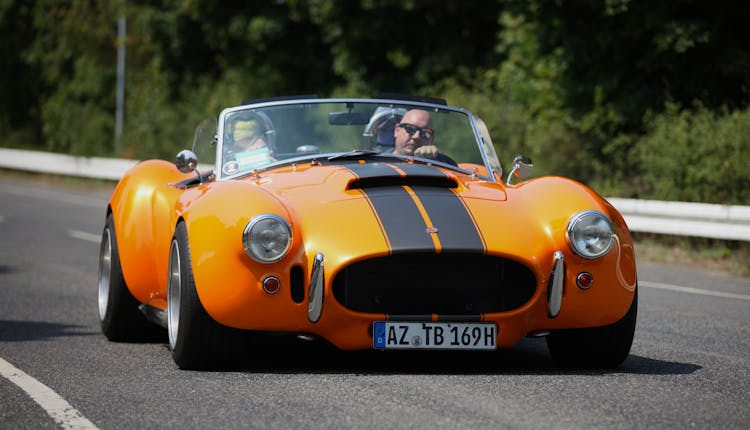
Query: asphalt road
[689, 366]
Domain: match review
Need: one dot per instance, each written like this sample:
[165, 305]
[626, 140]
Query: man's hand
[427, 151]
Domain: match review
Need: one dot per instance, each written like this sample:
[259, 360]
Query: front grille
[422, 284]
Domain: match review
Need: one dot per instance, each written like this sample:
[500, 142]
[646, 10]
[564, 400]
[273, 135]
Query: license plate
[434, 335]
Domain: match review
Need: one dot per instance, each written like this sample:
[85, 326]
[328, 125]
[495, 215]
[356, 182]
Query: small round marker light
[271, 285]
[585, 280]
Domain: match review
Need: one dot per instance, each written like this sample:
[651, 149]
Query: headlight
[590, 234]
[267, 238]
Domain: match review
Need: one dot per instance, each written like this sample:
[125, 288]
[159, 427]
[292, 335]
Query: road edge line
[62, 412]
[692, 290]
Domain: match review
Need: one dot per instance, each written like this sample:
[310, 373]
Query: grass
[711, 254]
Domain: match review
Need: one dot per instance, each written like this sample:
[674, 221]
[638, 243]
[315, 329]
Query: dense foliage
[636, 98]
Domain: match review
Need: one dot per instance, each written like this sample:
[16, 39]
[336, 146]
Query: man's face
[419, 123]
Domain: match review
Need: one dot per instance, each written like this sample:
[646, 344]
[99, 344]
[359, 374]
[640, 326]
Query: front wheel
[598, 347]
[119, 317]
[196, 340]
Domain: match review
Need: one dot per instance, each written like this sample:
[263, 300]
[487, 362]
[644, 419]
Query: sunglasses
[410, 129]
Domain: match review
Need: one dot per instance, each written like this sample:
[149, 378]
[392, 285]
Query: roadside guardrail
[730, 222]
[714, 221]
[61, 164]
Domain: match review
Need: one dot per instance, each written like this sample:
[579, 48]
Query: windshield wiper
[358, 153]
[368, 153]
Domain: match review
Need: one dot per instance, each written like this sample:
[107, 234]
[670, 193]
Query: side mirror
[186, 161]
[522, 166]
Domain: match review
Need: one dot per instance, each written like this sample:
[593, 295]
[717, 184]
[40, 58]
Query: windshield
[254, 137]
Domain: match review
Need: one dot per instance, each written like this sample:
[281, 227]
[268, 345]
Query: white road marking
[692, 290]
[96, 238]
[65, 415]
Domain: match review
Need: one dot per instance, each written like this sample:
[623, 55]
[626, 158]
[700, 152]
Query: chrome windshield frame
[478, 138]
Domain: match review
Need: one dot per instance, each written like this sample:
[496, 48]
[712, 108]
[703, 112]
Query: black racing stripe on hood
[403, 224]
[388, 175]
[373, 170]
[457, 230]
[422, 170]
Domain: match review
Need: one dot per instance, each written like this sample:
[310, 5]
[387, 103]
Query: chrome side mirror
[522, 166]
[186, 161]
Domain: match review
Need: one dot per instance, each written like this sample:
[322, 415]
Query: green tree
[696, 154]
[19, 82]
[73, 48]
[403, 46]
[637, 55]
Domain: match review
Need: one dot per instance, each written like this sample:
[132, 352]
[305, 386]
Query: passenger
[248, 135]
[415, 136]
[247, 147]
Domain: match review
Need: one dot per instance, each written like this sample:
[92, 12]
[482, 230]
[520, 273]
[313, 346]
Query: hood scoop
[374, 175]
[400, 181]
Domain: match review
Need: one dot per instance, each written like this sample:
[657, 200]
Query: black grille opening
[448, 284]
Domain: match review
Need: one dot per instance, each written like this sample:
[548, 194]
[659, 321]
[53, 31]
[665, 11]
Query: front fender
[227, 280]
[551, 202]
[142, 207]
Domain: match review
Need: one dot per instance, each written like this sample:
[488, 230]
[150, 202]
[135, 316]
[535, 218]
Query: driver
[415, 136]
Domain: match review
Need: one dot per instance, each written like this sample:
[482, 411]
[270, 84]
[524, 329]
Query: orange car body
[349, 220]
[525, 223]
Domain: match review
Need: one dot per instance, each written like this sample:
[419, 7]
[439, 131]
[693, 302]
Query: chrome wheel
[197, 340]
[173, 294]
[119, 316]
[105, 272]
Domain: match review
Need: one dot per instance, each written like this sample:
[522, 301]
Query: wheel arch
[215, 224]
[141, 205]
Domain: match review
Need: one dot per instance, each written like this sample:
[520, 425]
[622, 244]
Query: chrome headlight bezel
[258, 230]
[590, 234]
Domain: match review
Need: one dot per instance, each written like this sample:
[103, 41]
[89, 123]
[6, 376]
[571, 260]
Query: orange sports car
[366, 223]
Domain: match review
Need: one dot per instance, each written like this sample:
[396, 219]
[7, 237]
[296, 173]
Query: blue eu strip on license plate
[434, 335]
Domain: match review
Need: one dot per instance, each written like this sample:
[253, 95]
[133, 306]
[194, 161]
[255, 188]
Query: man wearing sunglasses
[415, 136]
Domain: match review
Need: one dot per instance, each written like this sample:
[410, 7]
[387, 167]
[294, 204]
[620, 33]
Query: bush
[695, 155]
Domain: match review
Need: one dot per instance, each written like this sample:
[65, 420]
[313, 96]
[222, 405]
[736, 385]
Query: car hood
[358, 210]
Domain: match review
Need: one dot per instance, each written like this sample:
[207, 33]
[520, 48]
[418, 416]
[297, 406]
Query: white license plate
[434, 335]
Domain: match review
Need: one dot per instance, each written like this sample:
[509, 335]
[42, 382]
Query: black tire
[196, 340]
[119, 317]
[599, 347]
